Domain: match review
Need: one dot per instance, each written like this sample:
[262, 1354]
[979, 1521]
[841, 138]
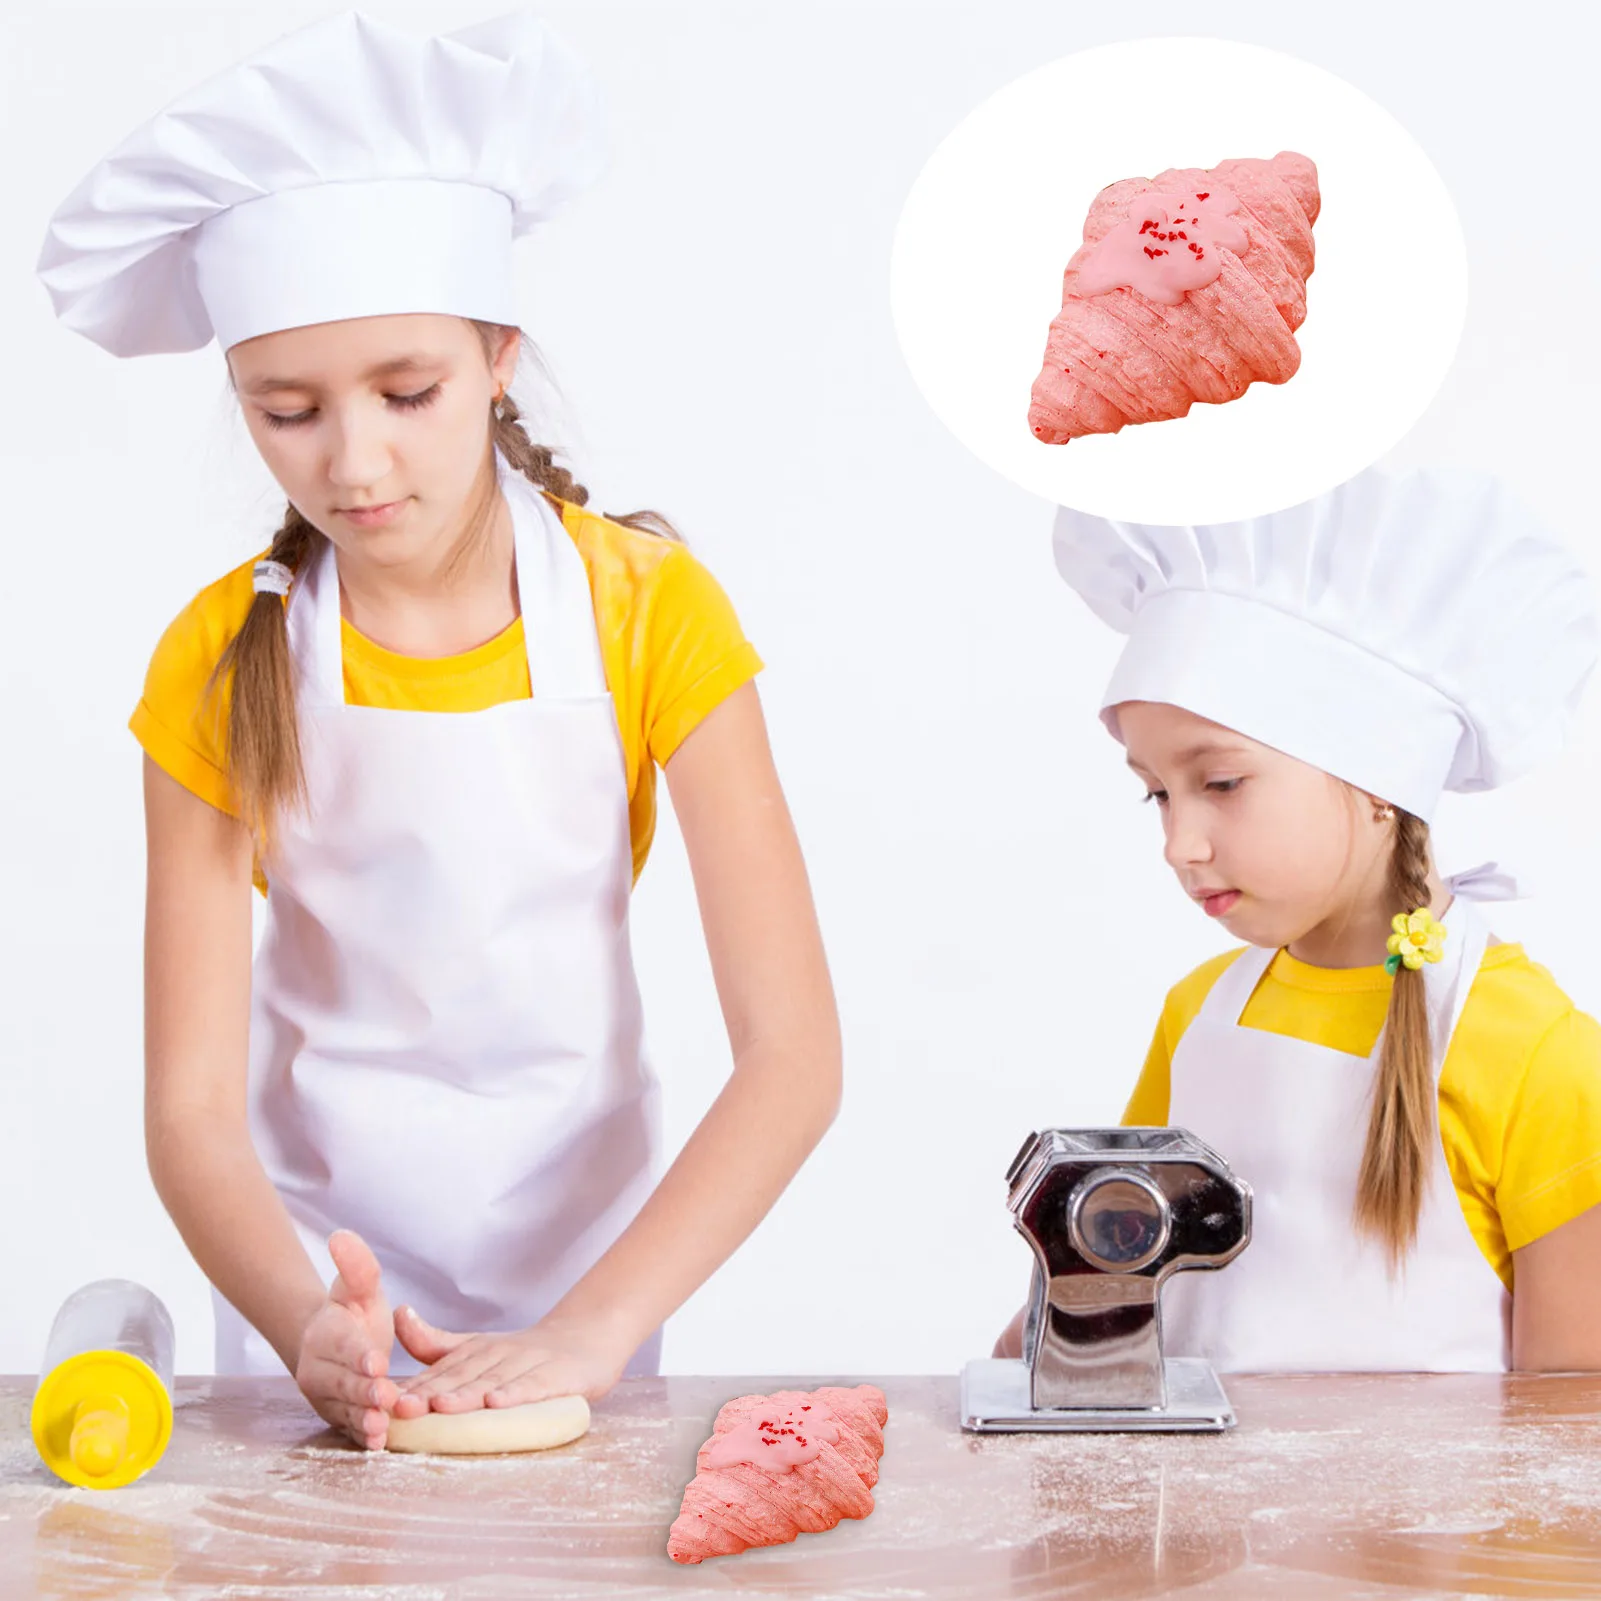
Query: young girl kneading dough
[1416, 1106]
[425, 723]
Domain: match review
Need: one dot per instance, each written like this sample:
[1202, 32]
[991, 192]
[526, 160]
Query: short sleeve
[1551, 1166]
[179, 721]
[696, 654]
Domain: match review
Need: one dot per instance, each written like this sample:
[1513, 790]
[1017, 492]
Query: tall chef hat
[1408, 633]
[347, 170]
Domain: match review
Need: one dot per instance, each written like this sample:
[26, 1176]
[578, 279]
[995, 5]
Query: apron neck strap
[1227, 998]
[564, 660]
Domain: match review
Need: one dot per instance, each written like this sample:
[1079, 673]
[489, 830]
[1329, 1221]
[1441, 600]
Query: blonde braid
[537, 462]
[263, 764]
[1401, 1126]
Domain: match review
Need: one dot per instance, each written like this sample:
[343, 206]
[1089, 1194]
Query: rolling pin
[102, 1414]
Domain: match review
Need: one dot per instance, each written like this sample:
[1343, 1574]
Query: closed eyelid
[266, 385]
[411, 401]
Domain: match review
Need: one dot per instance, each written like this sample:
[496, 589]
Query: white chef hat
[347, 170]
[1408, 633]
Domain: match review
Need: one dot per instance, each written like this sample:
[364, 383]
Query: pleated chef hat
[1408, 633]
[347, 170]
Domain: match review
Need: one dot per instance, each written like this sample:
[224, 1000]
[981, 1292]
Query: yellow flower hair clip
[1417, 939]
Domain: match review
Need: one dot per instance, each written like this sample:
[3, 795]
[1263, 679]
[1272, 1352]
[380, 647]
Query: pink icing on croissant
[1119, 355]
[1168, 245]
[733, 1503]
[782, 1439]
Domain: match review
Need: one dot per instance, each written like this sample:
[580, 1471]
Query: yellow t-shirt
[1520, 1087]
[670, 643]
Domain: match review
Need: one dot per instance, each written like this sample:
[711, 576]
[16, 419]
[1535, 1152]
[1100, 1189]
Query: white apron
[1309, 1294]
[445, 1041]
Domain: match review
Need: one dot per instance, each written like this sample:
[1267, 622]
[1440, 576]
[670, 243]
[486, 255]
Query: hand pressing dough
[492, 1430]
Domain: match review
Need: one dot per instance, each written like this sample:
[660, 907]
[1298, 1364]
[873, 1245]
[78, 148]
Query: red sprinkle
[1203, 197]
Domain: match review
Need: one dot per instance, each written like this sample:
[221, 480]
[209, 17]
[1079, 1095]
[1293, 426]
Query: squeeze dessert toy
[1188, 286]
[780, 1465]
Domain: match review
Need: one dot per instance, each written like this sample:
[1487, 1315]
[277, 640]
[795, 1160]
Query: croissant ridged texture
[727, 1509]
[1119, 356]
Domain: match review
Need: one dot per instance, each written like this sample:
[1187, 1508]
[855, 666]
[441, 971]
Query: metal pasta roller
[1110, 1214]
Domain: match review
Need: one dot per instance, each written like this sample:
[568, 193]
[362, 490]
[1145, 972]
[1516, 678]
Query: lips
[1218, 902]
[372, 516]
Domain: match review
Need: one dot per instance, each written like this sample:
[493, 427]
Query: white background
[1001, 926]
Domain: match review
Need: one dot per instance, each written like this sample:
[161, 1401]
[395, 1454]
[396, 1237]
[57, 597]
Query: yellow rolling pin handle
[101, 1419]
[99, 1442]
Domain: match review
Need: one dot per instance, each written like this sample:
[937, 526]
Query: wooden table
[1366, 1486]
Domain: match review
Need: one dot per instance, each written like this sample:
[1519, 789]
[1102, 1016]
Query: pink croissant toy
[795, 1462]
[1188, 286]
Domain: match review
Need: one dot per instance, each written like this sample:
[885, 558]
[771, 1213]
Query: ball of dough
[493, 1429]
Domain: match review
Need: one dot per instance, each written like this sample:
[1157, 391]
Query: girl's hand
[469, 1371]
[344, 1351]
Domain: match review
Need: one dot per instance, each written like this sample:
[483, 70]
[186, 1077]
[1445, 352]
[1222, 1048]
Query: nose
[358, 449]
[1186, 840]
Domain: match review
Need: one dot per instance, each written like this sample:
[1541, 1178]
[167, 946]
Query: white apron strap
[1446, 984]
[564, 660]
[314, 638]
[1227, 998]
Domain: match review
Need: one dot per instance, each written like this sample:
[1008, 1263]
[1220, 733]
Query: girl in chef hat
[1416, 1106]
[426, 721]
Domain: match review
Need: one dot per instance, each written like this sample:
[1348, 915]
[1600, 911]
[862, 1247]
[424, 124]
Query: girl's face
[377, 428]
[1271, 847]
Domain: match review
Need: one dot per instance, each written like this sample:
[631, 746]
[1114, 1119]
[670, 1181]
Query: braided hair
[1401, 1126]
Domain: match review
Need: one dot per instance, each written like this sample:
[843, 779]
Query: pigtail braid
[263, 741]
[1401, 1127]
[538, 462]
